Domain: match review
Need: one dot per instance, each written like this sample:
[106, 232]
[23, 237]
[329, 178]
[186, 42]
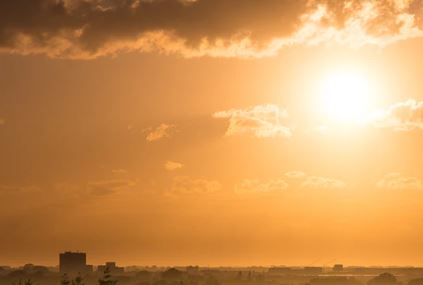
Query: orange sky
[149, 132]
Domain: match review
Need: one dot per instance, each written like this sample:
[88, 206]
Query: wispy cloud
[183, 185]
[315, 182]
[18, 189]
[262, 121]
[295, 174]
[160, 132]
[172, 165]
[120, 171]
[397, 181]
[402, 116]
[319, 182]
[106, 187]
[257, 186]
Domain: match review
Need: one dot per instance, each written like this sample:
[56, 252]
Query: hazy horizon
[212, 132]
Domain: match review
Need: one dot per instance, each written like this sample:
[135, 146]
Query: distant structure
[309, 270]
[74, 263]
[279, 270]
[31, 268]
[111, 266]
[192, 269]
[338, 268]
[312, 270]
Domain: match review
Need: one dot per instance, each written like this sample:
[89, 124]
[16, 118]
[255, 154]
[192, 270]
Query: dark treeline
[173, 276]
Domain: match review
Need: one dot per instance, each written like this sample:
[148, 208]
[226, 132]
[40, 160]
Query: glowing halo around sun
[346, 96]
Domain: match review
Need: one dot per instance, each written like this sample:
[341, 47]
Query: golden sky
[212, 132]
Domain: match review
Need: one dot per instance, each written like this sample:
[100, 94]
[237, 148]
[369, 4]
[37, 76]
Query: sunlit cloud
[257, 186]
[172, 165]
[397, 181]
[292, 179]
[185, 185]
[402, 116]
[160, 132]
[89, 29]
[319, 182]
[262, 121]
[306, 181]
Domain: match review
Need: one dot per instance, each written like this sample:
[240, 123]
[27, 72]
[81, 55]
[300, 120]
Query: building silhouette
[111, 267]
[312, 270]
[74, 263]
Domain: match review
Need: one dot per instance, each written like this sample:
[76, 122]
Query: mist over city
[211, 142]
[73, 269]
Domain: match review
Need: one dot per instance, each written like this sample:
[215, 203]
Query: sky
[212, 132]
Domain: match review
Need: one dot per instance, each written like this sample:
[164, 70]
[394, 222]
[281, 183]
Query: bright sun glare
[346, 96]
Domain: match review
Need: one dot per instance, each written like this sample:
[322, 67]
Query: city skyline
[75, 262]
[212, 132]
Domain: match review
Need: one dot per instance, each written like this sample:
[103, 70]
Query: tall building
[73, 263]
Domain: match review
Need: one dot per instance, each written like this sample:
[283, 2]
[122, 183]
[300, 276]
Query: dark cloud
[90, 28]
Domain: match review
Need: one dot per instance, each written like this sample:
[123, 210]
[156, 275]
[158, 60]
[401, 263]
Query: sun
[346, 96]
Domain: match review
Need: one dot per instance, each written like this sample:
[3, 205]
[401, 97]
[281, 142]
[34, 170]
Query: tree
[65, 280]
[107, 278]
[78, 280]
[172, 273]
[418, 281]
[383, 279]
[25, 282]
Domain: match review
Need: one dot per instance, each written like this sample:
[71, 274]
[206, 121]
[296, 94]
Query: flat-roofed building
[73, 263]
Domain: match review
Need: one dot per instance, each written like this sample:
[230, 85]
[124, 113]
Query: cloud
[295, 174]
[183, 185]
[18, 189]
[120, 171]
[220, 28]
[172, 165]
[294, 178]
[319, 182]
[396, 181]
[160, 132]
[402, 116]
[257, 186]
[106, 187]
[314, 182]
[262, 121]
